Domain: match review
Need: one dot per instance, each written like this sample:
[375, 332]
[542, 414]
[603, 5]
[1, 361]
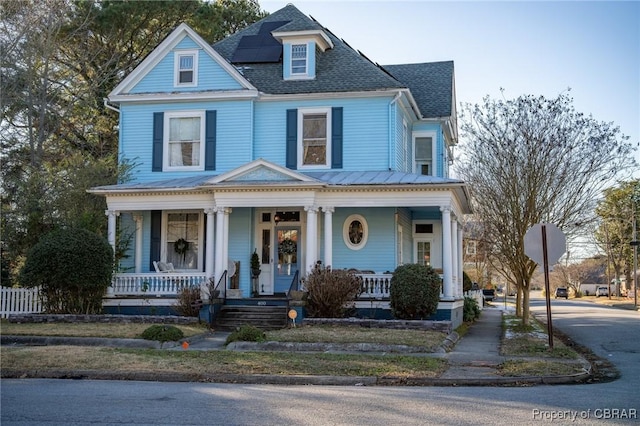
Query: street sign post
[544, 243]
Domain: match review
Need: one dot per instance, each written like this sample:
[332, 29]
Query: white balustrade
[375, 286]
[154, 284]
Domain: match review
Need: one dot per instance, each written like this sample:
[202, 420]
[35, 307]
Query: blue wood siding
[211, 76]
[127, 231]
[241, 243]
[365, 131]
[379, 252]
[233, 138]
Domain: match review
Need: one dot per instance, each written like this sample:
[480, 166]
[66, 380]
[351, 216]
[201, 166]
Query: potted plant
[255, 264]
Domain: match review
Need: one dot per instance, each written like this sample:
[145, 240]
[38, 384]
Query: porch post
[446, 252]
[461, 261]
[111, 227]
[208, 262]
[328, 236]
[311, 255]
[219, 253]
[138, 250]
[454, 257]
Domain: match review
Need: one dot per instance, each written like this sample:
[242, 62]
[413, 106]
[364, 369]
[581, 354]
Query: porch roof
[327, 178]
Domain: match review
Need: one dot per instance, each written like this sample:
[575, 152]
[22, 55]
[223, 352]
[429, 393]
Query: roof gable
[260, 170]
[182, 36]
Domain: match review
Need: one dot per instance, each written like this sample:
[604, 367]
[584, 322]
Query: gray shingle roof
[431, 85]
[340, 69]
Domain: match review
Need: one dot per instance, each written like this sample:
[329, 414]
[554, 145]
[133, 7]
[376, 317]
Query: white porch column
[454, 257]
[209, 262]
[219, 263]
[311, 254]
[460, 261]
[446, 253]
[111, 227]
[138, 249]
[328, 236]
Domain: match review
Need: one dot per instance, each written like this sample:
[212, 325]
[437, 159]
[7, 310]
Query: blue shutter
[210, 141]
[158, 126]
[336, 138]
[292, 139]
[156, 229]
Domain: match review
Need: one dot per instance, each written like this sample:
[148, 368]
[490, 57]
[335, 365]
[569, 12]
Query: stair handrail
[223, 279]
[294, 284]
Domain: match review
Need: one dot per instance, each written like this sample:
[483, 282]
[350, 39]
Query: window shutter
[156, 229]
[292, 139]
[158, 126]
[336, 138]
[210, 141]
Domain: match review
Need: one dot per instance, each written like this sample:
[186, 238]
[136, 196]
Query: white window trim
[434, 147]
[415, 249]
[306, 61]
[435, 238]
[163, 236]
[405, 145]
[165, 143]
[301, 113]
[365, 231]
[176, 67]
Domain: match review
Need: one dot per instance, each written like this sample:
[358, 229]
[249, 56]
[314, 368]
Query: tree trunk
[525, 306]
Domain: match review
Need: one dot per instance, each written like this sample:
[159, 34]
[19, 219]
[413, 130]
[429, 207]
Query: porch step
[263, 317]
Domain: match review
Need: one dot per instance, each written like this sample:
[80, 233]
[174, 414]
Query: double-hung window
[298, 59]
[183, 233]
[423, 154]
[314, 133]
[186, 64]
[184, 140]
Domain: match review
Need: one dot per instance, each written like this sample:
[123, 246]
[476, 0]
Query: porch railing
[375, 286]
[153, 284]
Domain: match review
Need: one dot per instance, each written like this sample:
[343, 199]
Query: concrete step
[263, 317]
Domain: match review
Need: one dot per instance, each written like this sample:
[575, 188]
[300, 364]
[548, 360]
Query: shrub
[471, 310]
[467, 284]
[246, 333]
[163, 333]
[415, 291]
[188, 302]
[73, 269]
[331, 293]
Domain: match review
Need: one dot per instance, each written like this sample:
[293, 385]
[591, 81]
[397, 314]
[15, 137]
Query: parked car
[602, 291]
[488, 294]
[562, 292]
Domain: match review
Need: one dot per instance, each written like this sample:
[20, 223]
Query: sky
[525, 47]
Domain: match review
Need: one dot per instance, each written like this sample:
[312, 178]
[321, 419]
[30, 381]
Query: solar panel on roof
[259, 48]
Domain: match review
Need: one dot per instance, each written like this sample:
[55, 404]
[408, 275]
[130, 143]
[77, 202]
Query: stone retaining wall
[71, 318]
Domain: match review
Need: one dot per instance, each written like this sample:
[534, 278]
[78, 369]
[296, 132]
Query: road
[611, 333]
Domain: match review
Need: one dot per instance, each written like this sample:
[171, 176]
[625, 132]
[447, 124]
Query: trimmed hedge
[415, 291]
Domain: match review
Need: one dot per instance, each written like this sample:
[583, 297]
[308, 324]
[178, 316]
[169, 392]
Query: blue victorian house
[285, 141]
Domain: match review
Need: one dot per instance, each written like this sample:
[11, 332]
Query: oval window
[355, 232]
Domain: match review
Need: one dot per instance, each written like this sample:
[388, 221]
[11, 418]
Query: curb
[294, 380]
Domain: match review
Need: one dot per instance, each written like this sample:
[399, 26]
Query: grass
[428, 340]
[108, 330]
[520, 368]
[211, 362]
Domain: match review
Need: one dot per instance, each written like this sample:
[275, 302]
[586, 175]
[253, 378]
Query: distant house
[284, 140]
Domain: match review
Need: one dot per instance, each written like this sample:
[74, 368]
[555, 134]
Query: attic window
[298, 59]
[186, 65]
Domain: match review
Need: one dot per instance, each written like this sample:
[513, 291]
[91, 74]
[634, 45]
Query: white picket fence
[19, 301]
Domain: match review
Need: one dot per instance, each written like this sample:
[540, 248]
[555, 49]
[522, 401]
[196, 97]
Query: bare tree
[535, 160]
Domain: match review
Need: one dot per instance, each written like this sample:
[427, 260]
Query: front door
[287, 253]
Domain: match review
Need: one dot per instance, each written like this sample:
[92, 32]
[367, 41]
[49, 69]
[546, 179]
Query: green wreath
[181, 246]
[288, 247]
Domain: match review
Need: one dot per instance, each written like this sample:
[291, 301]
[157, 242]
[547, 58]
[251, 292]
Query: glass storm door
[287, 253]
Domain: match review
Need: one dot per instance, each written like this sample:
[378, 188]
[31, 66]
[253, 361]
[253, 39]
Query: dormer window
[298, 59]
[299, 52]
[186, 65]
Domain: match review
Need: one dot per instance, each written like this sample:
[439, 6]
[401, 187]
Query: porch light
[277, 219]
